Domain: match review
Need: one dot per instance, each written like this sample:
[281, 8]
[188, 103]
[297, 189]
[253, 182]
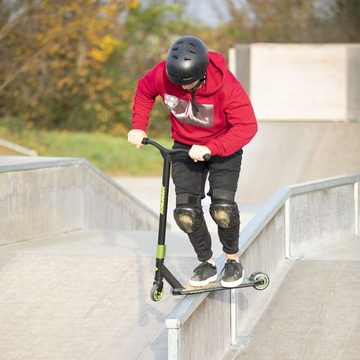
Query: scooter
[257, 280]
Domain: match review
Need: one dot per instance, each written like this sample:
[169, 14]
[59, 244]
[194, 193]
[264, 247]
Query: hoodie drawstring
[194, 105]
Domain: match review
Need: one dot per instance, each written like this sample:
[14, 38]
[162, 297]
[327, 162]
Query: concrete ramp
[314, 314]
[285, 153]
[85, 295]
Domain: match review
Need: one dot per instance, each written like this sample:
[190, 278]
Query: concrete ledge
[46, 196]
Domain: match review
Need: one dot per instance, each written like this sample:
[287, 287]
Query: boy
[210, 113]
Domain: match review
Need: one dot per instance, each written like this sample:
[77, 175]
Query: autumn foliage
[74, 64]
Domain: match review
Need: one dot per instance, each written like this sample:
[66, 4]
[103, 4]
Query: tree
[345, 20]
[286, 21]
[74, 65]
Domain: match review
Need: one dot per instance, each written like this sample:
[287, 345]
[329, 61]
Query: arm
[144, 99]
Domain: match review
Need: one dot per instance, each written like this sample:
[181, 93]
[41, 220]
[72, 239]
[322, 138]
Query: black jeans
[189, 178]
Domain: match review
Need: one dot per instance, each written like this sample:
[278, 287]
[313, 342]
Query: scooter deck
[214, 286]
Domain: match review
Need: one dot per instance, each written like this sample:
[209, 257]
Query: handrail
[327, 183]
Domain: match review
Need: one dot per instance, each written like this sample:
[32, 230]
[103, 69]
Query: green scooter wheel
[261, 280]
[156, 292]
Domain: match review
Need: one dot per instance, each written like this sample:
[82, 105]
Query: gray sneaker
[233, 274]
[203, 274]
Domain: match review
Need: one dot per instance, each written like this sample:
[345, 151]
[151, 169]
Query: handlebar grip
[147, 141]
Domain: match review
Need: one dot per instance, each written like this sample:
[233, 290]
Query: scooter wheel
[261, 280]
[156, 292]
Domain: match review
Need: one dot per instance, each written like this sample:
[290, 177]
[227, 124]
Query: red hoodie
[225, 122]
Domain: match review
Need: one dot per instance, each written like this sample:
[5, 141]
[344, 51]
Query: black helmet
[187, 60]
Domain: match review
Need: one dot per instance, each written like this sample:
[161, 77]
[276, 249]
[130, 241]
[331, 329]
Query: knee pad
[188, 219]
[226, 214]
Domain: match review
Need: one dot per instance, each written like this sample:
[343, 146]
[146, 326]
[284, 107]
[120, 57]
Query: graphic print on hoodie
[182, 110]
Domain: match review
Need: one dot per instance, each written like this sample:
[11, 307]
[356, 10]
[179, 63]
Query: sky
[207, 10]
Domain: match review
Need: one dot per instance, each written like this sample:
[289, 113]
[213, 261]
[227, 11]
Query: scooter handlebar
[147, 141]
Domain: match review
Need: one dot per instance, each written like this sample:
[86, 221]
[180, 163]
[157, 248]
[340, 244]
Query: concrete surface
[46, 196]
[314, 315]
[286, 153]
[85, 295]
[10, 148]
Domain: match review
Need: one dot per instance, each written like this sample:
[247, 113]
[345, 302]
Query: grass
[113, 155]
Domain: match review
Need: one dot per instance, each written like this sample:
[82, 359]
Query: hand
[136, 137]
[198, 151]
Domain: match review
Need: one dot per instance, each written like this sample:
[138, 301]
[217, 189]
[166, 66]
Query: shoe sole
[232, 284]
[204, 282]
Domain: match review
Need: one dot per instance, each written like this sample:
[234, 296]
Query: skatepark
[77, 257]
[77, 265]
